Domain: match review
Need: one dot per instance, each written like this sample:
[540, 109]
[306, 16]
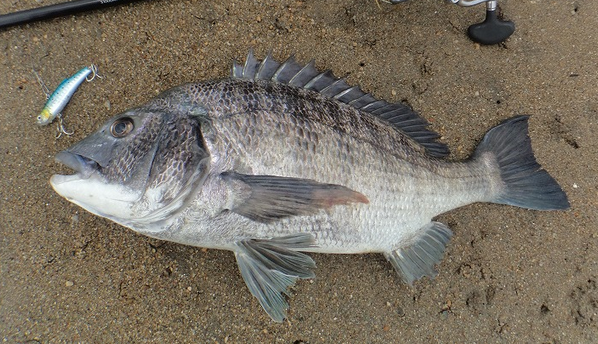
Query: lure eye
[122, 127]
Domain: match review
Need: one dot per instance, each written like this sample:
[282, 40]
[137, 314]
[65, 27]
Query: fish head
[139, 168]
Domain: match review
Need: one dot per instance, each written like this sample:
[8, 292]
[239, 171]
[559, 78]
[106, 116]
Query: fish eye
[122, 127]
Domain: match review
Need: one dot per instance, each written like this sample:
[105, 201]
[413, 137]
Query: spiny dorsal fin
[308, 77]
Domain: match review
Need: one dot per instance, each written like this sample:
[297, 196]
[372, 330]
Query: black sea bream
[281, 159]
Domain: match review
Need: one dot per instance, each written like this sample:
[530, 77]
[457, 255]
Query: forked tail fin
[526, 183]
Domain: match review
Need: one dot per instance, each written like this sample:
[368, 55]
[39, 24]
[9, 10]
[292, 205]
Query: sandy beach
[509, 275]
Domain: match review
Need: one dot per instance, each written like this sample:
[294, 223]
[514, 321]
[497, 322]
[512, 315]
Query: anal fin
[418, 259]
[269, 267]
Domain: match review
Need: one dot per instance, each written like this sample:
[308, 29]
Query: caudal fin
[526, 183]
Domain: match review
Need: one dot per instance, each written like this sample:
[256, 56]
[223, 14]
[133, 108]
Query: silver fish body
[281, 159]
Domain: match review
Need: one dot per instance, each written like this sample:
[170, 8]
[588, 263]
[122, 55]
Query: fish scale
[281, 159]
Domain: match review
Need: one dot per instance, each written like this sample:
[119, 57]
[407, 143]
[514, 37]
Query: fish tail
[525, 183]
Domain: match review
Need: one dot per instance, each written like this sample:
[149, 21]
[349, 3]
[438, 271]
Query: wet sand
[509, 274]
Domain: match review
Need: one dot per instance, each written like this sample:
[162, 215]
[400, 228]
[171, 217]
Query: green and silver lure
[58, 100]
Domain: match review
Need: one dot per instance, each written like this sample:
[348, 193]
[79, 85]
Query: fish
[281, 159]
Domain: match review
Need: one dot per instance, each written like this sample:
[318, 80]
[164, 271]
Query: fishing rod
[57, 10]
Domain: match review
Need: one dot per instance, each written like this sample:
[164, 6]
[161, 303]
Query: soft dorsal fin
[308, 77]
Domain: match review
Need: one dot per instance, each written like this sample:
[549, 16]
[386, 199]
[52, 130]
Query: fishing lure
[58, 100]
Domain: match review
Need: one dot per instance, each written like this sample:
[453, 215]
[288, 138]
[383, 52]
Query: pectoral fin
[418, 259]
[271, 197]
[269, 267]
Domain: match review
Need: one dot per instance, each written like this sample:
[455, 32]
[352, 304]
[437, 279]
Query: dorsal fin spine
[342, 93]
[310, 84]
[384, 109]
[295, 80]
[375, 104]
[237, 70]
[258, 74]
[332, 85]
[250, 66]
[279, 70]
[357, 100]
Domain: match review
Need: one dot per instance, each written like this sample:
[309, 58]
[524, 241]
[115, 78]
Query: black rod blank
[57, 10]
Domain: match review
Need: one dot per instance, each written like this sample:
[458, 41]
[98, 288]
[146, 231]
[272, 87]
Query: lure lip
[84, 166]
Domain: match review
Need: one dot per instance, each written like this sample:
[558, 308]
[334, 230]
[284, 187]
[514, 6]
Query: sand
[509, 274]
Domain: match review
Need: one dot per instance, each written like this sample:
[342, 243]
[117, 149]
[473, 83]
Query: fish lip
[84, 166]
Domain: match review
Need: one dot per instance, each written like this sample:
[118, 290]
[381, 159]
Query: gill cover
[141, 166]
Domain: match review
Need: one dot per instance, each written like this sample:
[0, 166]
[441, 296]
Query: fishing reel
[492, 30]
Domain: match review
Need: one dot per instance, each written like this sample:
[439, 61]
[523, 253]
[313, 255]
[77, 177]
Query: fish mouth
[83, 166]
